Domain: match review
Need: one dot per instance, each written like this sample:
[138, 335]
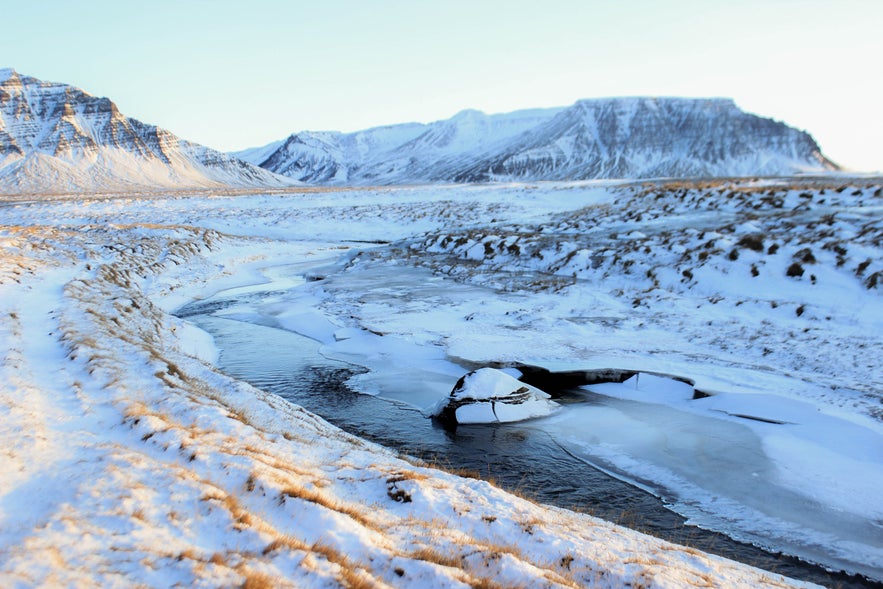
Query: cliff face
[604, 138]
[55, 138]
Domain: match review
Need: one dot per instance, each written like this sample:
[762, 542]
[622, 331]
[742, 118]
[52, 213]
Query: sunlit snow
[754, 410]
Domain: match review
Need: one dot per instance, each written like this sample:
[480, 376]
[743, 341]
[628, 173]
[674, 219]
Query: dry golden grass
[429, 554]
[473, 578]
[466, 473]
[188, 554]
[322, 499]
[241, 517]
[488, 583]
[251, 482]
[137, 410]
[255, 579]
[349, 573]
[406, 475]
[352, 575]
[287, 542]
[495, 549]
[237, 414]
[273, 462]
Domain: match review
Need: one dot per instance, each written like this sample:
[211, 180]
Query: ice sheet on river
[762, 467]
[767, 470]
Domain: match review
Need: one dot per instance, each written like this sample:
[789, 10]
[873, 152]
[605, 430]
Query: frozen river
[646, 452]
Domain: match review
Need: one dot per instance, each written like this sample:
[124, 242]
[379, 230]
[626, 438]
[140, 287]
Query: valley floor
[128, 459]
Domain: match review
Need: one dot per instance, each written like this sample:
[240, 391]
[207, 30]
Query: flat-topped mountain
[58, 138]
[602, 138]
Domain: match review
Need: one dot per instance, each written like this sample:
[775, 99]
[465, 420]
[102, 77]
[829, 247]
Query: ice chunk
[488, 395]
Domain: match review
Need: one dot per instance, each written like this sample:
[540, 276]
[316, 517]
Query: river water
[524, 457]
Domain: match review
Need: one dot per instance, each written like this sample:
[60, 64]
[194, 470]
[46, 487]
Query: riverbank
[702, 443]
[128, 458]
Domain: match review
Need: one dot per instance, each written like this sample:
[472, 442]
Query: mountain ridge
[55, 137]
[624, 137]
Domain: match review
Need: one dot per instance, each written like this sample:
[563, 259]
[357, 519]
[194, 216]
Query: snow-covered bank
[127, 461]
[735, 461]
[130, 459]
[679, 278]
[766, 294]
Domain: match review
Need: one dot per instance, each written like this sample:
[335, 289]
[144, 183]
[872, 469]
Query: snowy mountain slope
[411, 152]
[650, 137]
[55, 138]
[326, 157]
[258, 154]
[603, 138]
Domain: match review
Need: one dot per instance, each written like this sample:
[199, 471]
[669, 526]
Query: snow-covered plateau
[129, 459]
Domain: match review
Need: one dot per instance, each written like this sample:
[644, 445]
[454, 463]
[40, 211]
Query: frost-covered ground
[127, 458]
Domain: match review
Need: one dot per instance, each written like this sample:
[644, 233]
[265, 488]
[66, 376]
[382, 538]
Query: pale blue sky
[240, 74]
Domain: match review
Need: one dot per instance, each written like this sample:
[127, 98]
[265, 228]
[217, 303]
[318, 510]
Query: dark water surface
[514, 456]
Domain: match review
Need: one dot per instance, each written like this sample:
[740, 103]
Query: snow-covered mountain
[603, 138]
[58, 138]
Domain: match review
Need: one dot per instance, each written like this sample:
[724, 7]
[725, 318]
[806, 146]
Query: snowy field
[128, 458]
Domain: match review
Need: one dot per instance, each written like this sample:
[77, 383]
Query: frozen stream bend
[148, 464]
[765, 469]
